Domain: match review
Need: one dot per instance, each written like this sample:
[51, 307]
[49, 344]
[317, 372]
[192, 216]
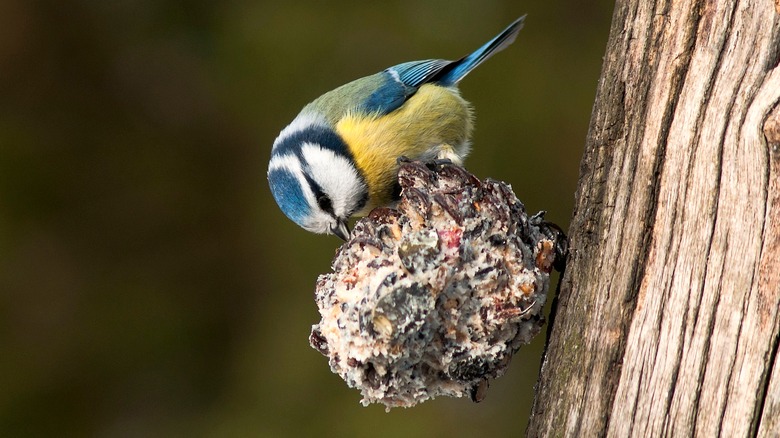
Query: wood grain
[668, 317]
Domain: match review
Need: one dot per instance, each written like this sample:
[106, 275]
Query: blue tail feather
[402, 81]
[456, 71]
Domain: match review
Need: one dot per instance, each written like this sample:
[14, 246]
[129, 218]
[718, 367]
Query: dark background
[149, 285]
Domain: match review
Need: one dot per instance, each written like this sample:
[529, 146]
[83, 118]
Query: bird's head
[313, 177]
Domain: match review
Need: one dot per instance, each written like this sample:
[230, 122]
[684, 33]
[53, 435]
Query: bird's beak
[341, 229]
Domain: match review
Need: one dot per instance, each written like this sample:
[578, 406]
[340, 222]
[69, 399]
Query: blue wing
[400, 82]
[415, 73]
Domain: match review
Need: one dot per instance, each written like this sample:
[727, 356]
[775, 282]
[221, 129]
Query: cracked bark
[668, 317]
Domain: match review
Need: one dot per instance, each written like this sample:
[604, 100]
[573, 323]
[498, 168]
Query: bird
[339, 157]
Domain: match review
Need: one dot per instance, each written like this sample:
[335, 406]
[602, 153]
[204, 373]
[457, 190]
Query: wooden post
[668, 317]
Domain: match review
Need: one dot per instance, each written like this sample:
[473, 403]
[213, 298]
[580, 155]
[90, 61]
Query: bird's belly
[434, 117]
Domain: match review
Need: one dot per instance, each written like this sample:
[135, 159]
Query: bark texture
[667, 321]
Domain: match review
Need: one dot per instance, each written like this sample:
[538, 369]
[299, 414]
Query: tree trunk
[668, 316]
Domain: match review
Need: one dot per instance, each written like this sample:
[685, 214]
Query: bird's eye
[325, 204]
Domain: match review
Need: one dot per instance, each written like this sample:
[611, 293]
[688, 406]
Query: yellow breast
[434, 118]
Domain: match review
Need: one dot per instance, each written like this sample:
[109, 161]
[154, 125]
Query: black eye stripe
[323, 200]
[325, 203]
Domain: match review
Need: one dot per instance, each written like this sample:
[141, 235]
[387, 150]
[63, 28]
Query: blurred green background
[149, 285]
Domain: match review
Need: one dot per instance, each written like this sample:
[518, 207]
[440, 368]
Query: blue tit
[339, 157]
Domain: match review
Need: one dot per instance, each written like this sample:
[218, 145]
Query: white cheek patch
[336, 175]
[299, 124]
